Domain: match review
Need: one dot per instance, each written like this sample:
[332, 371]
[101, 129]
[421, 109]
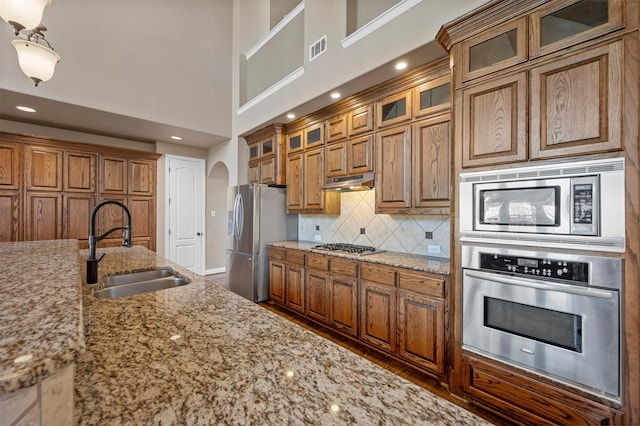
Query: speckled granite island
[199, 354]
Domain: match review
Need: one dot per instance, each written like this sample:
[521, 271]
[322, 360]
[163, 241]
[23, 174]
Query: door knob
[198, 234]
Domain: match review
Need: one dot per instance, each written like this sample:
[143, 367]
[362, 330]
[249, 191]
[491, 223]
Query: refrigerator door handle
[235, 216]
[240, 222]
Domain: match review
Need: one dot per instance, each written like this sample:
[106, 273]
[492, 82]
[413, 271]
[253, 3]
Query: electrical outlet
[317, 237]
[213, 213]
[433, 249]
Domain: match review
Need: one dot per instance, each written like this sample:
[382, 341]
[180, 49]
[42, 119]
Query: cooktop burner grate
[349, 248]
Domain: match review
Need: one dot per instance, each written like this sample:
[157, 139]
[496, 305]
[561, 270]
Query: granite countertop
[434, 265]
[199, 354]
[40, 311]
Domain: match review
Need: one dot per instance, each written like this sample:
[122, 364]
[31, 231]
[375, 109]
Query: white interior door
[186, 212]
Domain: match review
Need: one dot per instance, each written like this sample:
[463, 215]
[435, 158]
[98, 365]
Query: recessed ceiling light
[25, 109]
[401, 65]
[176, 138]
[335, 95]
[291, 116]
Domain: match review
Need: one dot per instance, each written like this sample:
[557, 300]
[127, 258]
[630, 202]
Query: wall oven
[578, 205]
[555, 314]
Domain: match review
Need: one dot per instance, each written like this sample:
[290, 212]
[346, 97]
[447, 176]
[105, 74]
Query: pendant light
[23, 14]
[36, 60]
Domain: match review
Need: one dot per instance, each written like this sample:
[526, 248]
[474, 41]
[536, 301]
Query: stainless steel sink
[136, 277]
[140, 287]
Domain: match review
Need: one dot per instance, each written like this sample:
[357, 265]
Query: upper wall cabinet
[562, 23]
[314, 136]
[495, 49]
[336, 128]
[360, 120]
[294, 142]
[267, 156]
[432, 97]
[394, 109]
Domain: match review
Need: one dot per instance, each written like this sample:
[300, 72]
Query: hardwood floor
[423, 380]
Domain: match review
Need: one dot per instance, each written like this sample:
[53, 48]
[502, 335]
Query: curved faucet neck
[93, 240]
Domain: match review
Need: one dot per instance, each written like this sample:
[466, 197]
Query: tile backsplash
[402, 233]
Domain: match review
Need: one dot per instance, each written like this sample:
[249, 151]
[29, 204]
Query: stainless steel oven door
[566, 332]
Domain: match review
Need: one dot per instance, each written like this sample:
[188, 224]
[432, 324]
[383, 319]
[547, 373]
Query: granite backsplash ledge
[399, 233]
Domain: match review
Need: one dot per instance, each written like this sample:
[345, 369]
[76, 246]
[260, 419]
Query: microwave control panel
[577, 272]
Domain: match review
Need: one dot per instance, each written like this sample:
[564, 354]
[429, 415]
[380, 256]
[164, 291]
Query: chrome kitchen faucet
[92, 261]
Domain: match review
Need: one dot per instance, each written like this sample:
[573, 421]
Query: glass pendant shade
[36, 61]
[23, 14]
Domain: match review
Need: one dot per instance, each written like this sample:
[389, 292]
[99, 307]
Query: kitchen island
[199, 354]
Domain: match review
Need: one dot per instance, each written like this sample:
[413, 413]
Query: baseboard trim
[215, 271]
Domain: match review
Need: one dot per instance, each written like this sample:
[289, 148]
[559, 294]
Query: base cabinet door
[378, 315]
[344, 304]
[421, 330]
[317, 295]
[276, 281]
[294, 287]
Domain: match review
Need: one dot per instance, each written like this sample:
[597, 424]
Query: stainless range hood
[361, 182]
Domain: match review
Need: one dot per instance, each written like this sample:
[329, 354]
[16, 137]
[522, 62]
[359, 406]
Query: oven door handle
[565, 288]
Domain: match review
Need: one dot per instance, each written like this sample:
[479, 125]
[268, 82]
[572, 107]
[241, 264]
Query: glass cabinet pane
[579, 17]
[253, 152]
[313, 136]
[437, 96]
[295, 142]
[493, 50]
[394, 109]
[267, 147]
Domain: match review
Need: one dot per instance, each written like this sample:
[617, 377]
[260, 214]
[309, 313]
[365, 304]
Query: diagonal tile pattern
[402, 233]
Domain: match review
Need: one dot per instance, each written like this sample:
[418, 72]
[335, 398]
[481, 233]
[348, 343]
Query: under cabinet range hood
[362, 182]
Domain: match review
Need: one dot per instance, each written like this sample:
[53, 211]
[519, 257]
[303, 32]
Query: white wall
[337, 66]
[216, 232]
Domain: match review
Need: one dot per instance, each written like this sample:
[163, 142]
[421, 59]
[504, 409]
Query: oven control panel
[539, 267]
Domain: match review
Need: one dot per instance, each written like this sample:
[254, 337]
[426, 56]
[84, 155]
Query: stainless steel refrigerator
[257, 216]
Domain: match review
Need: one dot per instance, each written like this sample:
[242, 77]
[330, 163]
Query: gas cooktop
[349, 248]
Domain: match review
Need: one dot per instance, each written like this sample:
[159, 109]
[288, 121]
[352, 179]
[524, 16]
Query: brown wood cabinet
[529, 401]
[10, 165]
[43, 216]
[395, 310]
[336, 128]
[393, 169]
[277, 274]
[360, 120]
[378, 311]
[348, 158]
[496, 128]
[43, 168]
[394, 109]
[80, 172]
[431, 168]
[305, 178]
[294, 281]
[267, 163]
[51, 193]
[317, 291]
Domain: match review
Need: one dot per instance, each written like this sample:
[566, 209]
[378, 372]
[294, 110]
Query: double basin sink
[140, 282]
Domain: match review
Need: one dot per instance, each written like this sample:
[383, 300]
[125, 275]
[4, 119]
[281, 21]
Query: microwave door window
[523, 207]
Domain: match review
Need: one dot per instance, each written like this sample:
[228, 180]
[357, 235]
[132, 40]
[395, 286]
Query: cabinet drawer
[378, 275]
[344, 267]
[421, 284]
[295, 256]
[277, 253]
[318, 261]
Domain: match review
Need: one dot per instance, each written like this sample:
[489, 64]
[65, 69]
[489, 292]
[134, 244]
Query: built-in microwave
[578, 205]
